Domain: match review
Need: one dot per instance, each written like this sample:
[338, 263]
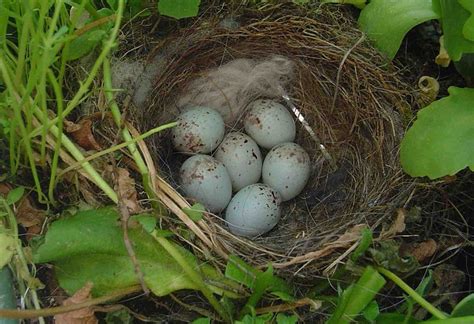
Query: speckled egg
[199, 130]
[242, 158]
[286, 169]
[269, 123]
[206, 180]
[254, 210]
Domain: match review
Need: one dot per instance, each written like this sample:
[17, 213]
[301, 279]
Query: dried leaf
[397, 227]
[81, 316]
[347, 239]
[125, 187]
[82, 134]
[421, 251]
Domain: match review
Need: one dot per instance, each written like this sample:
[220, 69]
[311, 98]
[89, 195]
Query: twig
[315, 304]
[34, 313]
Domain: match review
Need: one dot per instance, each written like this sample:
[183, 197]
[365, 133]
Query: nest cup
[350, 97]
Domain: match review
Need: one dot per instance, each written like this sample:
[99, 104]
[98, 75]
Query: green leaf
[89, 246]
[147, 222]
[440, 141]
[286, 319]
[195, 212]
[356, 3]
[202, 320]
[454, 19]
[386, 22]
[371, 311]
[422, 289]
[395, 318]
[121, 316]
[7, 246]
[252, 319]
[364, 244]
[179, 8]
[85, 43]
[356, 298]
[237, 270]
[15, 195]
[7, 294]
[468, 28]
[465, 307]
[457, 320]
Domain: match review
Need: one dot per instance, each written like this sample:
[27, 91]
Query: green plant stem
[193, 275]
[412, 293]
[132, 147]
[21, 314]
[116, 147]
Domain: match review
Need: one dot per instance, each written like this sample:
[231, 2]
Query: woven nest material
[350, 97]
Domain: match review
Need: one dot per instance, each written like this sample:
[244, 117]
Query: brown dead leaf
[82, 134]
[125, 187]
[81, 316]
[30, 217]
[398, 226]
[26, 214]
[422, 252]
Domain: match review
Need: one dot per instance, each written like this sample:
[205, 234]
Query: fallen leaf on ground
[398, 226]
[28, 216]
[422, 252]
[125, 187]
[82, 134]
[81, 316]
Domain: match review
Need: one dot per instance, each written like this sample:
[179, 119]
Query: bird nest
[351, 99]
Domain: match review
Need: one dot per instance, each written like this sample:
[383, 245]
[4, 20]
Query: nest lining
[348, 94]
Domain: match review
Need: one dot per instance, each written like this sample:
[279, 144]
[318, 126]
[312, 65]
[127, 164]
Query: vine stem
[51, 311]
[193, 275]
[412, 293]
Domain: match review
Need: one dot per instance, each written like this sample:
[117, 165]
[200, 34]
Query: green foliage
[387, 255]
[386, 22]
[458, 26]
[465, 307]
[357, 297]
[195, 212]
[7, 293]
[179, 8]
[89, 246]
[440, 141]
[15, 195]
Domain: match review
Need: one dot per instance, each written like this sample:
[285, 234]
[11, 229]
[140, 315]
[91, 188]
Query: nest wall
[349, 95]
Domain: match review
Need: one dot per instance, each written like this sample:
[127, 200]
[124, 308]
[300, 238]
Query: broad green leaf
[440, 142]
[252, 319]
[243, 273]
[7, 246]
[179, 8]
[356, 3]
[286, 319]
[468, 28]
[148, 222]
[465, 307]
[371, 311]
[15, 195]
[239, 271]
[85, 43]
[89, 246]
[453, 20]
[386, 22]
[456, 320]
[356, 298]
[202, 320]
[121, 316]
[195, 212]
[395, 318]
[7, 294]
